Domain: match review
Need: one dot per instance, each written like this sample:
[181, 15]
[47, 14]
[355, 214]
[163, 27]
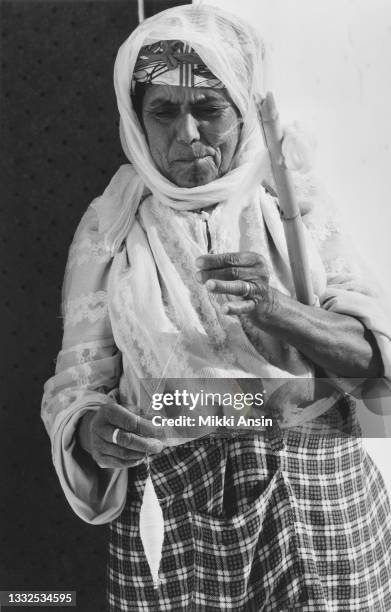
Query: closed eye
[201, 112]
[165, 113]
[205, 112]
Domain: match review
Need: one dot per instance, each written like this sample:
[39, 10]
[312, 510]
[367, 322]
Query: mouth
[193, 159]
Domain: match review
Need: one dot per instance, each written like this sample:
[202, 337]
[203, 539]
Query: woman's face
[192, 132]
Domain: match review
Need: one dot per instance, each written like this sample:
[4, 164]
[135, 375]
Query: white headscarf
[233, 51]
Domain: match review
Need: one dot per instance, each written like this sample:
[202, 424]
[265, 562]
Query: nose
[187, 129]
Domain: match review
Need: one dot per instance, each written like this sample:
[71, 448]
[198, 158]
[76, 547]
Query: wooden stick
[293, 225]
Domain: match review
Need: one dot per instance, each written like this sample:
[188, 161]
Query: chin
[194, 181]
[194, 176]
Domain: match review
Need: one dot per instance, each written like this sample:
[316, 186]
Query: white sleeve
[351, 290]
[87, 374]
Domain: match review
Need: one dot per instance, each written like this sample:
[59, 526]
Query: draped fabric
[250, 528]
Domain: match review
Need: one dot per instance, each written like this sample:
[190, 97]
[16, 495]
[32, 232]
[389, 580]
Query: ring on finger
[115, 435]
[248, 289]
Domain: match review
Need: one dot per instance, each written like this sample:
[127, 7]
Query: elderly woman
[180, 270]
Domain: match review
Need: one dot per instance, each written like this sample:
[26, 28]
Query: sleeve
[87, 374]
[351, 289]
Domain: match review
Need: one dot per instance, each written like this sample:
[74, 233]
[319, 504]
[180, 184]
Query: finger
[238, 308]
[232, 273]
[108, 461]
[125, 419]
[131, 441]
[238, 287]
[120, 452]
[222, 260]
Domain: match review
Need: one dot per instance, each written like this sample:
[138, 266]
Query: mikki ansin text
[211, 421]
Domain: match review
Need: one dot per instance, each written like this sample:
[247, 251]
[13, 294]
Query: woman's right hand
[136, 436]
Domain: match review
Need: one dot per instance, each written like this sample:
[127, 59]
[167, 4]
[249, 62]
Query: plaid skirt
[298, 521]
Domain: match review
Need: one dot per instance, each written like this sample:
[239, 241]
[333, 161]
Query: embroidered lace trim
[86, 251]
[92, 306]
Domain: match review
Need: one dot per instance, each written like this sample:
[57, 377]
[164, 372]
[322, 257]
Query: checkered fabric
[295, 522]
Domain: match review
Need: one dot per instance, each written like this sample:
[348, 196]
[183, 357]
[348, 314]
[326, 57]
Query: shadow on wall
[60, 147]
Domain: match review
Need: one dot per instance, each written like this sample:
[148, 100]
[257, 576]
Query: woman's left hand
[244, 274]
[336, 342]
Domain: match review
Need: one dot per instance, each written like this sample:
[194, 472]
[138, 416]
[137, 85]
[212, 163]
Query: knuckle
[130, 439]
[260, 271]
[233, 259]
[258, 258]
[249, 257]
[218, 261]
[235, 273]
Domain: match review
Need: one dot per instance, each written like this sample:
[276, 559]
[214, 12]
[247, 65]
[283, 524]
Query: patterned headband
[172, 62]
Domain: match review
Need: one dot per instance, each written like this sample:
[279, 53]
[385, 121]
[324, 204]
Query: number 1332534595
[38, 598]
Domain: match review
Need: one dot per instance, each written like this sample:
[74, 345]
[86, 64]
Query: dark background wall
[59, 148]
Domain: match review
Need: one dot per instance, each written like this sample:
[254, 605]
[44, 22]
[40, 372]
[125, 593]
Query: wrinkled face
[192, 132]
